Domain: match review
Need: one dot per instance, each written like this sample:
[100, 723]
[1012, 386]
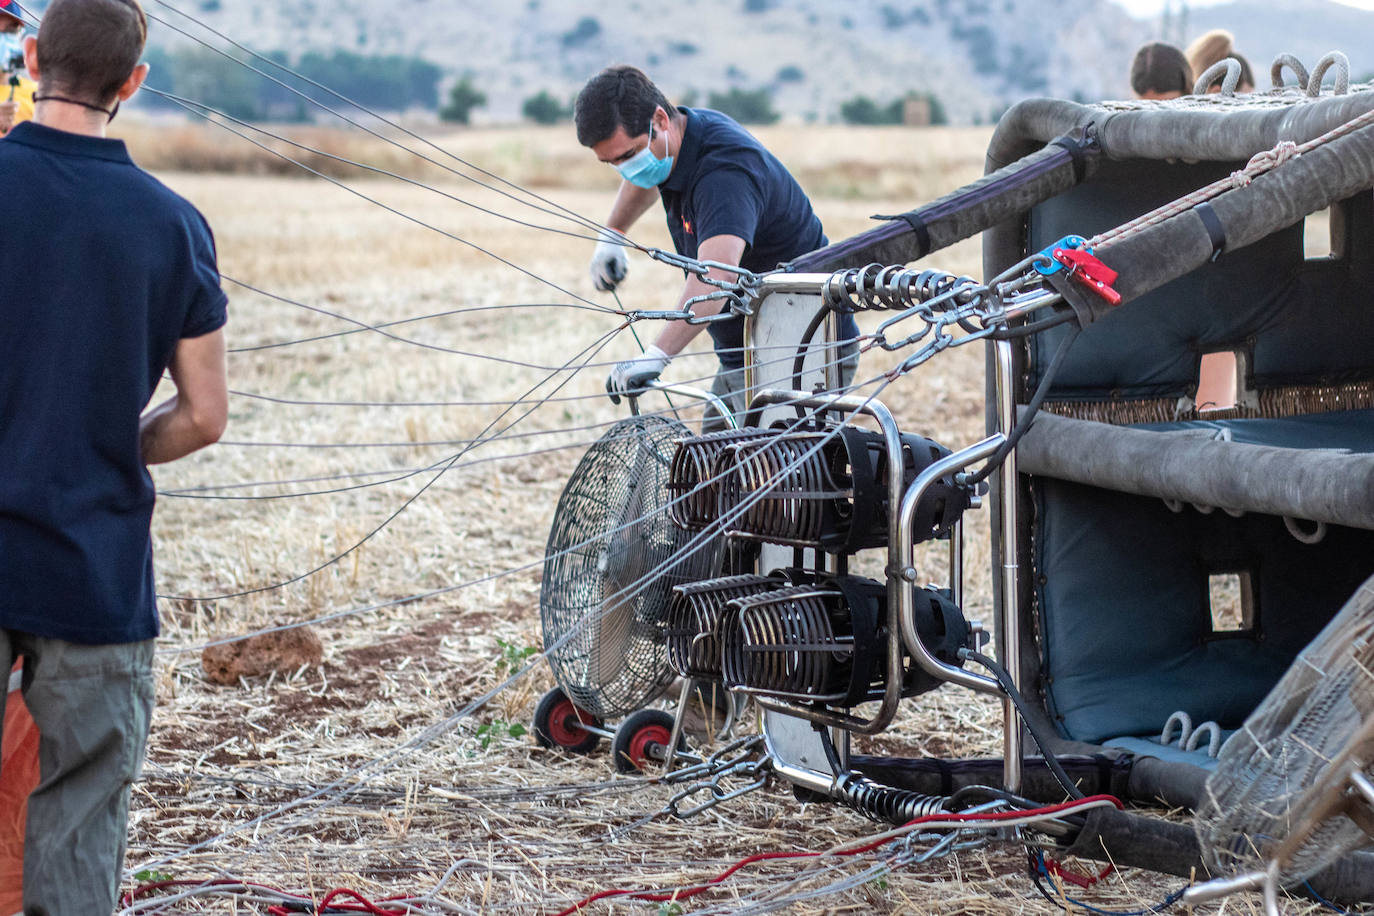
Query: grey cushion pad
[1319, 468]
[1124, 615]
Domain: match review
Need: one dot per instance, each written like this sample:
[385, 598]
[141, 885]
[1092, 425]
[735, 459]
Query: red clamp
[1089, 271]
[1084, 881]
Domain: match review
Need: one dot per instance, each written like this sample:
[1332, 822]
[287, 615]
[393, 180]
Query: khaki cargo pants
[92, 706]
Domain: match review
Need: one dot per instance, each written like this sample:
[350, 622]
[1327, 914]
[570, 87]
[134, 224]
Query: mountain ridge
[976, 56]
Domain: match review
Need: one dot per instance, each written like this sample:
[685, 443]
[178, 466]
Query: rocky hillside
[975, 56]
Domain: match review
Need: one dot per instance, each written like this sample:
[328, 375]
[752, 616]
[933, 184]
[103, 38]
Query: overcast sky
[1144, 8]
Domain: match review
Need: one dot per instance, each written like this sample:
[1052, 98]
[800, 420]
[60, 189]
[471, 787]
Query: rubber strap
[918, 226]
[946, 777]
[1212, 223]
[1077, 148]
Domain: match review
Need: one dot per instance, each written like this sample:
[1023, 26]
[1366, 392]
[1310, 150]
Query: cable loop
[1229, 71]
[1292, 63]
[1331, 59]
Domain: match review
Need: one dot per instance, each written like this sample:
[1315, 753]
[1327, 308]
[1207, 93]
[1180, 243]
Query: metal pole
[1009, 620]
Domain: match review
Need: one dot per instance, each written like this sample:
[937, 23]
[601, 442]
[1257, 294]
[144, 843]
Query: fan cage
[1293, 757]
[612, 560]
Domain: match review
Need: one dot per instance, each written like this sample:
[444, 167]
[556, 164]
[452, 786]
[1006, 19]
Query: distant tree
[863, 110]
[217, 82]
[390, 81]
[938, 115]
[462, 99]
[543, 108]
[791, 74]
[586, 29]
[747, 106]
[757, 6]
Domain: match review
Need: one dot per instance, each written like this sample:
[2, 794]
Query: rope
[1259, 164]
[698, 542]
[558, 209]
[595, 347]
[197, 108]
[358, 776]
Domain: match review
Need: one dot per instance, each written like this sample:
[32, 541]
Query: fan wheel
[641, 739]
[559, 723]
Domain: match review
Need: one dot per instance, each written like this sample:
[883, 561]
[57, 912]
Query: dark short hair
[1161, 67]
[88, 48]
[617, 97]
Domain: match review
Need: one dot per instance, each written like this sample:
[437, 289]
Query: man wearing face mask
[16, 90]
[726, 198]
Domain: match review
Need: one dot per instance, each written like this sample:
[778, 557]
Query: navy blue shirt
[102, 271]
[724, 182]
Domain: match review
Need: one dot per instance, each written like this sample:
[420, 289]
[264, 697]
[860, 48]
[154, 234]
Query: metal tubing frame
[687, 391]
[810, 284]
[901, 572]
[797, 775]
[1009, 616]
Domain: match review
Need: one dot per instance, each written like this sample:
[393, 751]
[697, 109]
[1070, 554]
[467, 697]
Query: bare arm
[630, 203]
[727, 249]
[196, 415]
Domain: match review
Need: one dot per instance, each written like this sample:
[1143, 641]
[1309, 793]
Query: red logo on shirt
[686, 225]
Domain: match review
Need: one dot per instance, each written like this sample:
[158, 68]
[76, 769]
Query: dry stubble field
[359, 772]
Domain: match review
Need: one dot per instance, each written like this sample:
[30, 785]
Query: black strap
[946, 777]
[1212, 223]
[1077, 148]
[918, 226]
[53, 97]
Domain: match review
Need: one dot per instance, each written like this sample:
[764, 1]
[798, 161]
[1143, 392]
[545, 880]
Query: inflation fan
[1294, 788]
[612, 560]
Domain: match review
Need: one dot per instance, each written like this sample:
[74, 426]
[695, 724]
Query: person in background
[726, 198]
[1213, 46]
[16, 90]
[1160, 71]
[111, 283]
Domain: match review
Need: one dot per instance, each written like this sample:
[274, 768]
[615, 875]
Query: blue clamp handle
[1053, 266]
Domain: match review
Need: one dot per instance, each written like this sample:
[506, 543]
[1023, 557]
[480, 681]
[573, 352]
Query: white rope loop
[1263, 161]
[1260, 163]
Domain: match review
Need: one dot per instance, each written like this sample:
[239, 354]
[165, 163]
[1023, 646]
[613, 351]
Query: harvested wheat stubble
[501, 825]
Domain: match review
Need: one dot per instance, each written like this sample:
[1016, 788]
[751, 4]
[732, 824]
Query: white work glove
[632, 375]
[609, 264]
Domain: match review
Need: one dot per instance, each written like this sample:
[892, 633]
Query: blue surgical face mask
[644, 169]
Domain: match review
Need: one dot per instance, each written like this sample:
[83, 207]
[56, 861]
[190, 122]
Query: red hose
[662, 897]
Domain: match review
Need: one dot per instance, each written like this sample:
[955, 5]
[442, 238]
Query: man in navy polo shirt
[110, 281]
[727, 199]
